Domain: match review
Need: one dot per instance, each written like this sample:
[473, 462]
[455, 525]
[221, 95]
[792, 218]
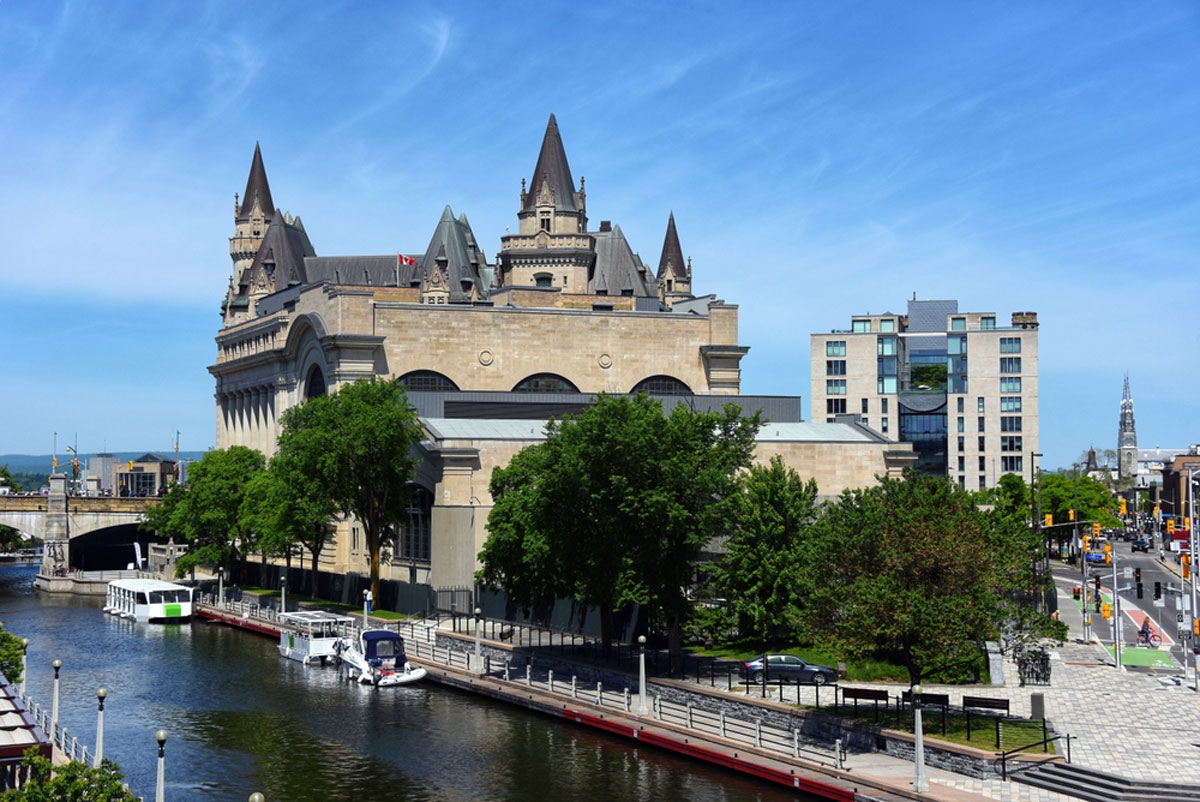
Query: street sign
[1129, 573]
[1160, 602]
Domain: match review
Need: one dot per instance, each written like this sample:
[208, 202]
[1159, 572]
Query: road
[1168, 615]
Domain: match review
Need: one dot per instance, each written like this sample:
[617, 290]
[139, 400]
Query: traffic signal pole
[1192, 552]
[1116, 622]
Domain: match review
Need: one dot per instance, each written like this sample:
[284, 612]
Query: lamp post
[54, 704]
[920, 783]
[366, 608]
[283, 594]
[24, 663]
[478, 648]
[1192, 552]
[100, 694]
[642, 710]
[220, 586]
[161, 737]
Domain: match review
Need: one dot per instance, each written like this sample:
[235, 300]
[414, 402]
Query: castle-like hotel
[488, 350]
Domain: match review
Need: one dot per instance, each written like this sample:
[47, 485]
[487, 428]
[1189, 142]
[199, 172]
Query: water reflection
[240, 719]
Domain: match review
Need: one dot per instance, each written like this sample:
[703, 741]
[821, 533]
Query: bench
[984, 703]
[941, 700]
[866, 694]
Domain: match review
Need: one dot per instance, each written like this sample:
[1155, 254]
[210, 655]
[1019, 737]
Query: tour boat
[311, 636]
[149, 600]
[376, 657]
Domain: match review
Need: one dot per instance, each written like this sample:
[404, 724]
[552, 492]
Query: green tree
[206, 512]
[70, 782]
[356, 450]
[613, 508]
[6, 478]
[914, 569]
[762, 571]
[1095, 501]
[287, 507]
[11, 652]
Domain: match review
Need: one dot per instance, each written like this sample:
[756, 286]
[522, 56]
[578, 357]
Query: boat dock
[736, 740]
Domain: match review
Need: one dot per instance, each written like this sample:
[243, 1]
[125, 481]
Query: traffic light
[1170, 526]
[1137, 577]
[1186, 561]
[1087, 543]
[1123, 506]
[1070, 515]
[1157, 591]
[1096, 529]
[1157, 512]
[1107, 554]
[1049, 520]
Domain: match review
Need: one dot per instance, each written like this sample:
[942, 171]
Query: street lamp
[283, 594]
[642, 710]
[24, 662]
[220, 585]
[54, 705]
[100, 694]
[478, 648]
[1192, 553]
[920, 783]
[161, 737]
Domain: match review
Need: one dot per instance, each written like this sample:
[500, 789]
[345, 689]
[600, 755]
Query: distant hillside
[40, 464]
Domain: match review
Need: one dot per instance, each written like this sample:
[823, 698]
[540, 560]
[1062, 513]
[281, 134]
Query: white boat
[311, 636]
[376, 657]
[148, 600]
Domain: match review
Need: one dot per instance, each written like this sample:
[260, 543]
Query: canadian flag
[401, 259]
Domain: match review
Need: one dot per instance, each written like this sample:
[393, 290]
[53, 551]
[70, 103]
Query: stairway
[1098, 786]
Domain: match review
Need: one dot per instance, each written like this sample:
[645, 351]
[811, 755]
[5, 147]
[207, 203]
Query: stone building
[488, 349]
[960, 388]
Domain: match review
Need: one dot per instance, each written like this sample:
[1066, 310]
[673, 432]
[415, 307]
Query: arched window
[545, 383]
[427, 381]
[315, 386]
[543, 280]
[661, 385]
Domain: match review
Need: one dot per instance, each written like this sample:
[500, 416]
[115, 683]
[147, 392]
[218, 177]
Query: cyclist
[1144, 634]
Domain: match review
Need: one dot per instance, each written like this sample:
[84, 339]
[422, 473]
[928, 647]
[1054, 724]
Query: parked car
[789, 668]
[1141, 544]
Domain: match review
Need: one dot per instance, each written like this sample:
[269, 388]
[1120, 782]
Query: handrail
[1042, 743]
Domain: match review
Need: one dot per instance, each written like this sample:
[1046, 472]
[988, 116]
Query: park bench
[984, 703]
[941, 700]
[866, 694]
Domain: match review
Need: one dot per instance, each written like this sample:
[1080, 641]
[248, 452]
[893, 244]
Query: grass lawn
[1013, 734]
[860, 670]
[349, 609]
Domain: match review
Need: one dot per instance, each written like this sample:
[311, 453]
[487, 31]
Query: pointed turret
[257, 188]
[671, 262]
[552, 174]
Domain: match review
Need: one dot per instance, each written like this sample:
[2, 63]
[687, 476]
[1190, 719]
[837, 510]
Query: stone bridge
[59, 519]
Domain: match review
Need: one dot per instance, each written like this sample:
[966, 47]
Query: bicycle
[1154, 639]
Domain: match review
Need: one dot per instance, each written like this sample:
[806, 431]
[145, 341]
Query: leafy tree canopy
[355, 450]
[913, 568]
[761, 573]
[6, 478]
[615, 506]
[70, 782]
[206, 512]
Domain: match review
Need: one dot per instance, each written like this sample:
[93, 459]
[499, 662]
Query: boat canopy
[381, 644]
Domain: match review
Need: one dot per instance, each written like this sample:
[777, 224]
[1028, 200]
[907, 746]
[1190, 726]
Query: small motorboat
[376, 657]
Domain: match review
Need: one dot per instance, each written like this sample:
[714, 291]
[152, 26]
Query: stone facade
[561, 311]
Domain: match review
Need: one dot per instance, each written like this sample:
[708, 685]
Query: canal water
[240, 719]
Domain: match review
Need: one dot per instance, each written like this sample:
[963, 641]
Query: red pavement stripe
[713, 756]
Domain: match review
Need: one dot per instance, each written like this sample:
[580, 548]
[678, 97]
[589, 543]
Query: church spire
[552, 174]
[671, 262]
[1127, 450]
[257, 187]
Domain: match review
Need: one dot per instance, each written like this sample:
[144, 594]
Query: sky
[821, 160]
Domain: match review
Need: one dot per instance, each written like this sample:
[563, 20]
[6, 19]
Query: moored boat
[311, 636]
[377, 657]
[148, 600]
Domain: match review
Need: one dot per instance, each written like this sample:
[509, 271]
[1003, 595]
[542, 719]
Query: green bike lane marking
[1146, 657]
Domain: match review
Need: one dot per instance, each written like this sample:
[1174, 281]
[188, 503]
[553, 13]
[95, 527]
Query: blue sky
[821, 159]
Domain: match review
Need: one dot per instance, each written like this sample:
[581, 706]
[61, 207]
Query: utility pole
[1192, 553]
[1116, 622]
[1082, 559]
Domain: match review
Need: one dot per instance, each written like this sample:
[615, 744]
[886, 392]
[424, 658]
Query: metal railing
[1044, 743]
